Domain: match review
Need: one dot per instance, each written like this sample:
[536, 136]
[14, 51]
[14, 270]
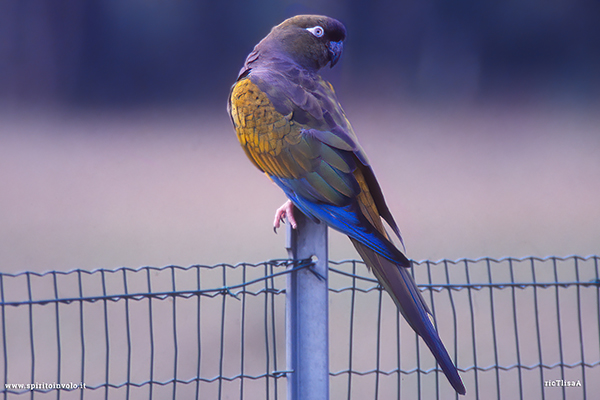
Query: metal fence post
[307, 312]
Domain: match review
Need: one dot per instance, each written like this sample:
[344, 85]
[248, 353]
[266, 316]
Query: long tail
[403, 289]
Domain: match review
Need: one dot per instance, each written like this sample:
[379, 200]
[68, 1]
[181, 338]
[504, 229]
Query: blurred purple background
[480, 119]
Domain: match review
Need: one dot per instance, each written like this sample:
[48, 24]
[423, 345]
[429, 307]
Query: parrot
[292, 127]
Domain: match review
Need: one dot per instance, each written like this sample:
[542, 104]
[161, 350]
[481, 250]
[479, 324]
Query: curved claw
[285, 211]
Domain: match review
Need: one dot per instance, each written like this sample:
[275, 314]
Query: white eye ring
[317, 31]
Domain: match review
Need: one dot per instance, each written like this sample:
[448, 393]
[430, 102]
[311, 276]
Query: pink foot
[285, 211]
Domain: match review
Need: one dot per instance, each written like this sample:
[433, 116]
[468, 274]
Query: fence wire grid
[525, 328]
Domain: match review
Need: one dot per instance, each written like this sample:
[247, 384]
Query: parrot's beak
[335, 52]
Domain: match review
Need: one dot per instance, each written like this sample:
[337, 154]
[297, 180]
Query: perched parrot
[292, 127]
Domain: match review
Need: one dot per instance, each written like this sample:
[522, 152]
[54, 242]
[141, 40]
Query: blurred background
[480, 119]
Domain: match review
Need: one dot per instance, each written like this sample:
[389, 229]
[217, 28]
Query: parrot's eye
[317, 31]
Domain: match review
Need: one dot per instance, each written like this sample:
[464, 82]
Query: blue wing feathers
[346, 219]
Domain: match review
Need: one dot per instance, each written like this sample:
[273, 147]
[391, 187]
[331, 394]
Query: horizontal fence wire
[518, 328]
[168, 332]
[526, 328]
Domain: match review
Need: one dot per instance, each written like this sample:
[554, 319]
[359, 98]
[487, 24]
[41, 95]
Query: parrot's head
[312, 41]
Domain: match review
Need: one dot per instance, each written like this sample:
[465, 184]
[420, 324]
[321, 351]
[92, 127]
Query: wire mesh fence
[518, 328]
